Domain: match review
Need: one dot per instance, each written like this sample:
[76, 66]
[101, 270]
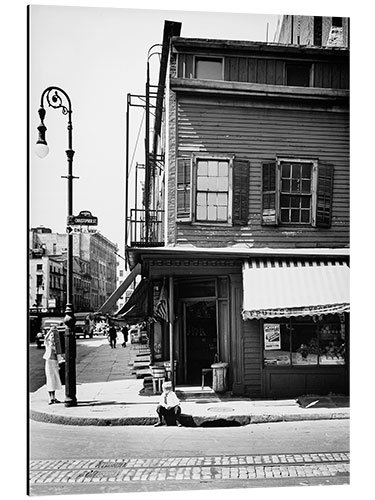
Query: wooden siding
[260, 134]
[270, 71]
[252, 378]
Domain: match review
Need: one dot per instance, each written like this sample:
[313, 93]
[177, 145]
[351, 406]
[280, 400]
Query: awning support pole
[171, 326]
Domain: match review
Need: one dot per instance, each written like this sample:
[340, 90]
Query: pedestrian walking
[112, 334]
[53, 357]
[125, 333]
[169, 407]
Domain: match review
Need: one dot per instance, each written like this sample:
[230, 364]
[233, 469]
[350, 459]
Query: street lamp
[55, 98]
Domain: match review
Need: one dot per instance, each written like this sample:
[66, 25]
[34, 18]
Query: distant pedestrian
[53, 357]
[112, 334]
[125, 333]
[169, 407]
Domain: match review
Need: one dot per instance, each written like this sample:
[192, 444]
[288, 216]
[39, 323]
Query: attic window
[298, 74]
[209, 68]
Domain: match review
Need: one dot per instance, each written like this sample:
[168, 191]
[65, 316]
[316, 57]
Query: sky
[98, 56]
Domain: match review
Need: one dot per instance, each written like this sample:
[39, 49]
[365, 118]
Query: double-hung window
[213, 189]
[297, 192]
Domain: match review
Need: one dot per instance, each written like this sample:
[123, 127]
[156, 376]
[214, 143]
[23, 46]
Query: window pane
[306, 171]
[223, 168]
[284, 201]
[201, 199]
[222, 183]
[211, 198]
[285, 170]
[296, 171]
[202, 167]
[202, 183]
[305, 201]
[201, 213]
[212, 183]
[211, 213]
[284, 215]
[222, 199]
[294, 215]
[222, 213]
[306, 186]
[285, 186]
[305, 216]
[294, 201]
[212, 169]
[296, 186]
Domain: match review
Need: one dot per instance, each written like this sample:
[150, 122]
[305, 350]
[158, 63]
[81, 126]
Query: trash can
[219, 377]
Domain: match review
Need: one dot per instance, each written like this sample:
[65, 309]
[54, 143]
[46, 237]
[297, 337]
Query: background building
[321, 31]
[94, 270]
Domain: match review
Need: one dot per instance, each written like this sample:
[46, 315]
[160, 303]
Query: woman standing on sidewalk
[53, 357]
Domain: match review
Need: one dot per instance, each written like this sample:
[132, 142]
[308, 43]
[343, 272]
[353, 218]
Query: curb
[191, 421]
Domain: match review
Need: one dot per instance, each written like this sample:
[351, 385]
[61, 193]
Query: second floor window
[213, 189]
[297, 192]
[212, 192]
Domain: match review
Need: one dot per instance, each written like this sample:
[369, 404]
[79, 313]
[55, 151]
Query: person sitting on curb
[168, 407]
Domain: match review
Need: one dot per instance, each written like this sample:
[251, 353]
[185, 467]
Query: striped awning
[136, 306]
[284, 288]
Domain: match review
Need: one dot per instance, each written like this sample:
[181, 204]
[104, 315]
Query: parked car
[84, 327]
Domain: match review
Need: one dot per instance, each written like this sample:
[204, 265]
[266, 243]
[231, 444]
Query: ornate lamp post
[56, 97]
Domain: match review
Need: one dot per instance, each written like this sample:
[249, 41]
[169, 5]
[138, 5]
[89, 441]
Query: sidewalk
[109, 393]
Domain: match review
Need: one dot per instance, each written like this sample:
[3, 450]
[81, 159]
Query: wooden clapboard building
[246, 222]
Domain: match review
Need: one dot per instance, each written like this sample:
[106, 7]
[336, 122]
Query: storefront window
[304, 341]
[332, 344]
[305, 347]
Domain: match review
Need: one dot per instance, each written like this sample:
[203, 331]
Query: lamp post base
[69, 402]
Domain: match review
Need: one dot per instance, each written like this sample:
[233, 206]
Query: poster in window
[272, 336]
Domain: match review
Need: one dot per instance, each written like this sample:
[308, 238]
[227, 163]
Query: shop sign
[272, 336]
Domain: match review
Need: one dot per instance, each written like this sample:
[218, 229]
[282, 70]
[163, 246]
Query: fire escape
[144, 226]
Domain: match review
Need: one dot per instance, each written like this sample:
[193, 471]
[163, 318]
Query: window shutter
[240, 192]
[183, 189]
[323, 214]
[269, 194]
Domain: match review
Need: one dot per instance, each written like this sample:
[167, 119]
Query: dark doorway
[200, 338]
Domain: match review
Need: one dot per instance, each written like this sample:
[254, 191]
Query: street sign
[80, 229]
[83, 218]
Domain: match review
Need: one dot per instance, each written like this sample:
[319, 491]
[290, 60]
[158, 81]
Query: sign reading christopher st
[83, 218]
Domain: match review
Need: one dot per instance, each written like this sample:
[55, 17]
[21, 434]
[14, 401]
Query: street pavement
[111, 391]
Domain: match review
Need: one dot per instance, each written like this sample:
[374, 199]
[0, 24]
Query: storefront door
[200, 338]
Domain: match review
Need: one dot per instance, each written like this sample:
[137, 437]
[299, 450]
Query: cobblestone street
[249, 467]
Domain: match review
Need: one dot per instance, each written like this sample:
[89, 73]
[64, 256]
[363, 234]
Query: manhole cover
[220, 409]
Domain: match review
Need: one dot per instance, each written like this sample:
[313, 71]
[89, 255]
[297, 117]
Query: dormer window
[209, 68]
